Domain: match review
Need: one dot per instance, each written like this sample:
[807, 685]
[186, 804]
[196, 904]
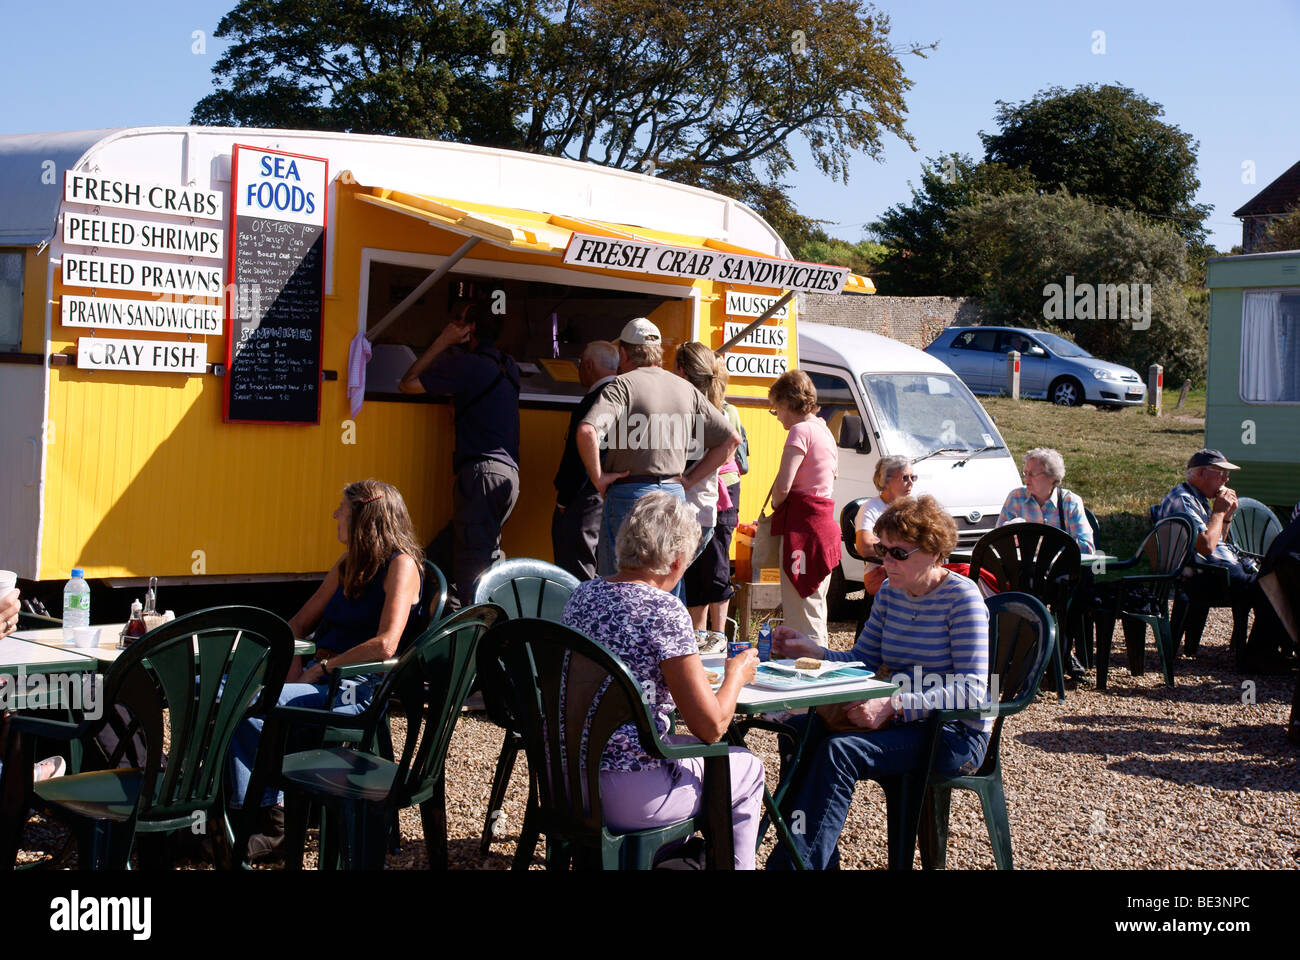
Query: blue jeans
[353, 697]
[834, 763]
[620, 498]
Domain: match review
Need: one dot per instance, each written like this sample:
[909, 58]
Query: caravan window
[11, 299]
[545, 326]
[1270, 346]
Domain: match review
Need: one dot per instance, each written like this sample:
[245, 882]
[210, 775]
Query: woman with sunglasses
[803, 504]
[894, 478]
[1043, 500]
[928, 632]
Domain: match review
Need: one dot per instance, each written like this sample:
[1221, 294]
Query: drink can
[735, 647]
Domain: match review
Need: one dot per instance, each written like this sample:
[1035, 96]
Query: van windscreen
[921, 412]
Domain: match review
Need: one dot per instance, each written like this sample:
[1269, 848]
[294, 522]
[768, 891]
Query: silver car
[1051, 367]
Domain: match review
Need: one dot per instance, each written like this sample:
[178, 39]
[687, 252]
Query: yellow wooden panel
[33, 328]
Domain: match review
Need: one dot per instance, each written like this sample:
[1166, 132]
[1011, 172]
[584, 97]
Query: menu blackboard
[277, 272]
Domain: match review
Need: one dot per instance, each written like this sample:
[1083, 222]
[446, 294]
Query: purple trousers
[672, 791]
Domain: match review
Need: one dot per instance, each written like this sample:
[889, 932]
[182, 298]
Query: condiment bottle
[135, 628]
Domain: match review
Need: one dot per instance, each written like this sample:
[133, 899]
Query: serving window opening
[545, 325]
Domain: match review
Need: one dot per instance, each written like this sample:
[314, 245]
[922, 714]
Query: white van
[883, 397]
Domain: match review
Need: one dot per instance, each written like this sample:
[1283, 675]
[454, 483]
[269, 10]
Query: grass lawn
[1120, 461]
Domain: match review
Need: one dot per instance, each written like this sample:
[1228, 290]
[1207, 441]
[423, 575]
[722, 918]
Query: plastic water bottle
[76, 604]
[765, 641]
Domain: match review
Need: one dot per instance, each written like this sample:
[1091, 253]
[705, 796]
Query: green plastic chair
[432, 609]
[359, 790]
[1144, 598]
[1037, 559]
[523, 588]
[541, 661]
[1021, 638]
[203, 670]
[1253, 528]
[1080, 622]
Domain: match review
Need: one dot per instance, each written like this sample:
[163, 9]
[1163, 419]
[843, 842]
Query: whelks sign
[638, 256]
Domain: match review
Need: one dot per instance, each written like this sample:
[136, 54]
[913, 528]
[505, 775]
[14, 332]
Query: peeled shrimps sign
[638, 256]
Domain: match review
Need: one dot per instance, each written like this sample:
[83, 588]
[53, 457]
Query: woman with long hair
[360, 613]
[708, 579]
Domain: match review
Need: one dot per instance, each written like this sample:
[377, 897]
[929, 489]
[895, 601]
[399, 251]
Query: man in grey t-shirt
[651, 422]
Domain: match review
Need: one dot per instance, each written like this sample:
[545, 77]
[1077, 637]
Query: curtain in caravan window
[1261, 347]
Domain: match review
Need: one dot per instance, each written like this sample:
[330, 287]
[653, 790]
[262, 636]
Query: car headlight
[1104, 374]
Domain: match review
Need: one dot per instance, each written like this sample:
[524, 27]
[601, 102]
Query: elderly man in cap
[575, 524]
[1208, 503]
[650, 422]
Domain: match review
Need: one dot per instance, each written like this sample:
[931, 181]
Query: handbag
[767, 545]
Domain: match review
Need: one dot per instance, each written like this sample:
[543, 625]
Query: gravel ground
[1141, 776]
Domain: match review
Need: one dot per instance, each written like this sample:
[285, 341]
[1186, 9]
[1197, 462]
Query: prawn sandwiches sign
[638, 256]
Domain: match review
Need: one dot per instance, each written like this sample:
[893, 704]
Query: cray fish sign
[639, 256]
[162, 356]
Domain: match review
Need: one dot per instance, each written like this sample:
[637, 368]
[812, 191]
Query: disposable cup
[8, 580]
[85, 636]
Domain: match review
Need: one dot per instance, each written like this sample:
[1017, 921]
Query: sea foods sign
[638, 256]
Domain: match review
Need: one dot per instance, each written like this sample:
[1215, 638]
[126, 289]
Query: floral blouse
[642, 626]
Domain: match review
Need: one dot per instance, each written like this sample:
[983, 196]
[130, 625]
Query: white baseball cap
[638, 331]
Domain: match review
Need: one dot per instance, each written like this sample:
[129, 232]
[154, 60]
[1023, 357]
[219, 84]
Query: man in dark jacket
[575, 525]
[484, 386]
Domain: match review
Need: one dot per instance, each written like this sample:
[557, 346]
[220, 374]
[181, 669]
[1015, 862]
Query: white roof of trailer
[32, 168]
[864, 352]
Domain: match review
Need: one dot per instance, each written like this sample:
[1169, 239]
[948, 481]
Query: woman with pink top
[803, 504]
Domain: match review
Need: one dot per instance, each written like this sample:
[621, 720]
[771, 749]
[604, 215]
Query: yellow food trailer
[186, 314]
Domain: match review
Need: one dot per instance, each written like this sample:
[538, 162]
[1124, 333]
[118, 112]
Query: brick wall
[915, 321]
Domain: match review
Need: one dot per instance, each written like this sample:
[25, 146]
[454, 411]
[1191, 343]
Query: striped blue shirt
[935, 647]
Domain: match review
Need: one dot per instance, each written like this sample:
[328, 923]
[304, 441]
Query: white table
[107, 649]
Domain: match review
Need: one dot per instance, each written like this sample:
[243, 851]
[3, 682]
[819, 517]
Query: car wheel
[1066, 392]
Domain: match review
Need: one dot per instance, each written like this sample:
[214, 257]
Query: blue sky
[1226, 73]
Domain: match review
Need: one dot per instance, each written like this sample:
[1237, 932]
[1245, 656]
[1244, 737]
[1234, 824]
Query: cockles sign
[638, 256]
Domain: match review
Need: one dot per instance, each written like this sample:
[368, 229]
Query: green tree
[1024, 246]
[1283, 233]
[863, 257]
[705, 92]
[921, 260]
[1107, 143]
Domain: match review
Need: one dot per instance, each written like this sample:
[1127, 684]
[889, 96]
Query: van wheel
[838, 605]
[1066, 392]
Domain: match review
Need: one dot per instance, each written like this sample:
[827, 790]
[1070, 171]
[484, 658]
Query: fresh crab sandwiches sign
[638, 256]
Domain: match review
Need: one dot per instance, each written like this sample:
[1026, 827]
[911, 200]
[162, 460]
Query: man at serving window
[464, 361]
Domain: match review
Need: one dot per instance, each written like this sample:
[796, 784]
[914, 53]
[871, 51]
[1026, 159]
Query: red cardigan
[810, 539]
